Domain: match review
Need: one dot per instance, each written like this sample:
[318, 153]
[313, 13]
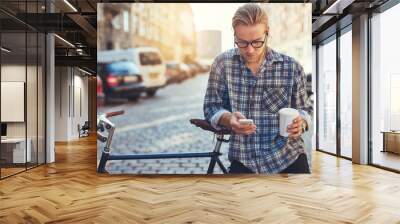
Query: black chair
[84, 130]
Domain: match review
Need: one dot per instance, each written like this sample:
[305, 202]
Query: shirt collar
[270, 57]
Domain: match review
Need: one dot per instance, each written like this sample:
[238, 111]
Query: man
[252, 81]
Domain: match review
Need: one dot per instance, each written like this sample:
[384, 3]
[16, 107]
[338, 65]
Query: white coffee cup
[286, 117]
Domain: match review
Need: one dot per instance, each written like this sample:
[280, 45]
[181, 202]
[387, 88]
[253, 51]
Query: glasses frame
[252, 42]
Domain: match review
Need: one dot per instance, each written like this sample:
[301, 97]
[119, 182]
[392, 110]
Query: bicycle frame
[104, 123]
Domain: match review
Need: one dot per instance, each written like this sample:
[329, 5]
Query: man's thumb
[239, 115]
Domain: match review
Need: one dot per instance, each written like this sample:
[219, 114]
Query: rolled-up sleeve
[216, 100]
[300, 100]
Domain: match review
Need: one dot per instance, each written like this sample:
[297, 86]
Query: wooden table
[391, 141]
[19, 154]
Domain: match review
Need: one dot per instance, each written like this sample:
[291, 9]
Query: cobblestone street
[161, 124]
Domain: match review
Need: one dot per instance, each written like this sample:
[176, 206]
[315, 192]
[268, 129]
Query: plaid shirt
[279, 83]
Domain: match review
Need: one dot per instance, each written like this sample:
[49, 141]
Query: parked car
[185, 70]
[176, 72]
[121, 80]
[100, 94]
[200, 67]
[148, 60]
[205, 67]
[193, 70]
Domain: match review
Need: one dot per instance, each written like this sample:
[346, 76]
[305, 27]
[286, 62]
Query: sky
[216, 16]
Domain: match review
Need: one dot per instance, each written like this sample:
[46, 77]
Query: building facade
[293, 31]
[169, 27]
[209, 44]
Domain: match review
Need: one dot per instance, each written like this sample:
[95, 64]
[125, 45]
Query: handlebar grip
[114, 113]
[101, 137]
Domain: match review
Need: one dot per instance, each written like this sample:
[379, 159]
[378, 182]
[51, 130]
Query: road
[161, 125]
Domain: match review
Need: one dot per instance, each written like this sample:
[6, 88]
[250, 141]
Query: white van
[148, 60]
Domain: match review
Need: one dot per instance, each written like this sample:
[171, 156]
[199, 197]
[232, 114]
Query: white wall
[81, 100]
[61, 103]
[71, 94]
[33, 126]
[14, 73]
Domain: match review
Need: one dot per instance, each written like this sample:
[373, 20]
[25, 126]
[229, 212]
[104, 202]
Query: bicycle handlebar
[101, 137]
[103, 123]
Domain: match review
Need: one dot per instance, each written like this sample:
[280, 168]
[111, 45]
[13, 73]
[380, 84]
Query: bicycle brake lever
[100, 127]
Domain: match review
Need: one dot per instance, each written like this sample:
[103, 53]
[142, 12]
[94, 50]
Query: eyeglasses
[254, 43]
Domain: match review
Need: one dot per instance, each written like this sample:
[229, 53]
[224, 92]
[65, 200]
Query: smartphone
[246, 121]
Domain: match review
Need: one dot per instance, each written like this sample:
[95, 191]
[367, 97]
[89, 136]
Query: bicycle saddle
[203, 124]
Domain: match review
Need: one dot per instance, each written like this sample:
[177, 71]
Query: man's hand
[241, 129]
[295, 129]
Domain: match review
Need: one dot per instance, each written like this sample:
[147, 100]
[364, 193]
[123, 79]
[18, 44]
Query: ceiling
[331, 15]
[75, 21]
[72, 20]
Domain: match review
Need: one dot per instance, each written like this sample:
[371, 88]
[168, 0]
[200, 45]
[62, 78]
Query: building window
[385, 89]
[327, 97]
[116, 22]
[141, 28]
[346, 94]
[22, 82]
[126, 21]
[134, 24]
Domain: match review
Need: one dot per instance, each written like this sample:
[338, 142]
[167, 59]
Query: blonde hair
[250, 14]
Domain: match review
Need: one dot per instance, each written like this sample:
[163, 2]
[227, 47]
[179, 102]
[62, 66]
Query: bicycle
[104, 124]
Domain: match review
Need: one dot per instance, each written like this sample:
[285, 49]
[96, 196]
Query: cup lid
[289, 111]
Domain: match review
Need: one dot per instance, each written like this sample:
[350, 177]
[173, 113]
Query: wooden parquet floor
[70, 191]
